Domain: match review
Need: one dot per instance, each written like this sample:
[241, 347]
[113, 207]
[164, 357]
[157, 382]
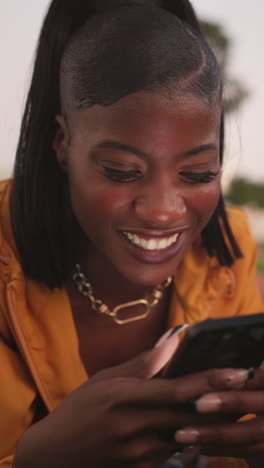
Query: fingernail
[169, 333]
[208, 404]
[238, 377]
[186, 436]
[163, 338]
[179, 329]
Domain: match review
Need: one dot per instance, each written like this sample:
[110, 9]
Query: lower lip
[154, 256]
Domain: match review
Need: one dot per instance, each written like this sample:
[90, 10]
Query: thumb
[147, 364]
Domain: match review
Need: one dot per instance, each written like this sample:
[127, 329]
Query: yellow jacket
[38, 343]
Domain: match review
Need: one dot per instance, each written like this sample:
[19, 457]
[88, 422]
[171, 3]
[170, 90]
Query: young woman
[114, 231]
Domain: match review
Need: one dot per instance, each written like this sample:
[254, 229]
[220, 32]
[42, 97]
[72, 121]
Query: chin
[149, 277]
[148, 268]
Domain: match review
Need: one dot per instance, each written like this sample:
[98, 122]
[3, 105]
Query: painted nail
[169, 333]
[163, 338]
[179, 329]
[186, 436]
[208, 404]
[237, 377]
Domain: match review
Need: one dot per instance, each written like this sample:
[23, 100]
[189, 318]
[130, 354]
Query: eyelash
[199, 178]
[130, 176]
[122, 176]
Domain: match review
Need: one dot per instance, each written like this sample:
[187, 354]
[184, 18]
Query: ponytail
[183, 10]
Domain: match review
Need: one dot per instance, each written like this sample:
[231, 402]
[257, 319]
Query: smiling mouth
[151, 244]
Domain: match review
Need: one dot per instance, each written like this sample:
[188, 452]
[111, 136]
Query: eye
[199, 177]
[116, 175]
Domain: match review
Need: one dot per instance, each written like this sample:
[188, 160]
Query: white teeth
[151, 244]
[163, 244]
[135, 239]
[144, 244]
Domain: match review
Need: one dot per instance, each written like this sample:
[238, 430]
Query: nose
[160, 205]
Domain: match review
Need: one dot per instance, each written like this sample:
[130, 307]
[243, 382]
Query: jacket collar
[39, 319]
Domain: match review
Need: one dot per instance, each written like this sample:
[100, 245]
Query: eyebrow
[200, 149]
[131, 149]
[123, 147]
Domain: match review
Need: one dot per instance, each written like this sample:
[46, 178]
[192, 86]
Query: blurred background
[236, 33]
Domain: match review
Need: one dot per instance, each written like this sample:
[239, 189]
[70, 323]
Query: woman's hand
[243, 439]
[122, 417]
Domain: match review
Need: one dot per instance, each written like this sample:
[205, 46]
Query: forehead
[149, 115]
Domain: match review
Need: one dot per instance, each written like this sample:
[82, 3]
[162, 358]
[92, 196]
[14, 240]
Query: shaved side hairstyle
[96, 52]
[134, 48]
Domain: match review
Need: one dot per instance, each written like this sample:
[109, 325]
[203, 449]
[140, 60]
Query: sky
[243, 22]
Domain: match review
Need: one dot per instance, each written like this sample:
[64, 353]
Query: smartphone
[235, 342]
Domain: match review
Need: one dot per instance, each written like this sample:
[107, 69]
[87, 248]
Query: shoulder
[8, 252]
[205, 289]
[5, 186]
[241, 229]
[4, 215]
[238, 221]
[197, 259]
[246, 298]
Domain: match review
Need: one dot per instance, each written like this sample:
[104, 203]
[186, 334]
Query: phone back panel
[236, 342]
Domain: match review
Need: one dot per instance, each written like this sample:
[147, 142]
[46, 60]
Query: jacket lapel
[46, 335]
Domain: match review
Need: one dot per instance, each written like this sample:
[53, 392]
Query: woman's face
[144, 180]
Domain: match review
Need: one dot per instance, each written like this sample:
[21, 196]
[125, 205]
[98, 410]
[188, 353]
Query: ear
[61, 142]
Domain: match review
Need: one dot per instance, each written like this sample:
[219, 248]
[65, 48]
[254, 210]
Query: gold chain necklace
[148, 302]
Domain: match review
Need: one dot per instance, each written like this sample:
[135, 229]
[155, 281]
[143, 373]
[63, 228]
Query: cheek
[95, 205]
[204, 201]
[87, 195]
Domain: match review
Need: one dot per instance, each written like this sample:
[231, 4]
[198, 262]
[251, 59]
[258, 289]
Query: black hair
[48, 237]
[132, 48]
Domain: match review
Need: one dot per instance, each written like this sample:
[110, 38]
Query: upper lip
[154, 233]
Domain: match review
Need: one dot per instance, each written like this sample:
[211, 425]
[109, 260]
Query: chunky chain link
[148, 302]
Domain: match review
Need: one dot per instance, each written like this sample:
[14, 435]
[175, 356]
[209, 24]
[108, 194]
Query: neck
[109, 285]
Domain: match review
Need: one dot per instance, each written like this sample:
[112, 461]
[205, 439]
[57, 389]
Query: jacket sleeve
[17, 393]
